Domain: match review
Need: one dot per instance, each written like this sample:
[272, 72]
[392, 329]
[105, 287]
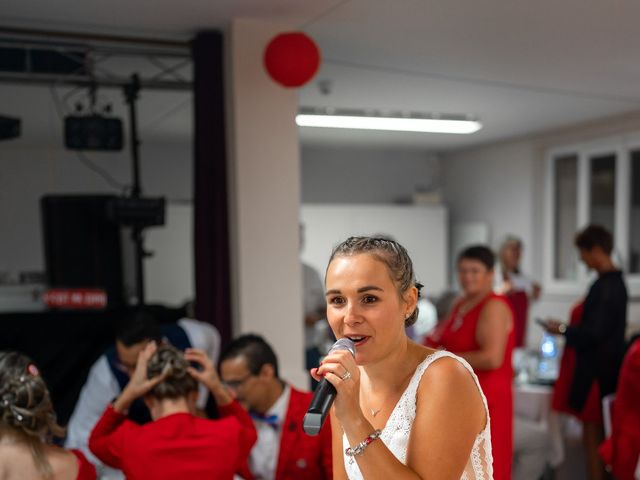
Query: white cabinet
[421, 229]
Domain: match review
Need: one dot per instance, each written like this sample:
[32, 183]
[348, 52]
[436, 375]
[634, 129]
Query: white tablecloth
[533, 403]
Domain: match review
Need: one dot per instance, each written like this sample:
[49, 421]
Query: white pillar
[264, 199]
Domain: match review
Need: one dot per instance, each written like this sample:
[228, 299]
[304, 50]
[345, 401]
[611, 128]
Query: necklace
[401, 387]
[465, 307]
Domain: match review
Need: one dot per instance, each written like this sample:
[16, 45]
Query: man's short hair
[255, 350]
[138, 326]
[595, 236]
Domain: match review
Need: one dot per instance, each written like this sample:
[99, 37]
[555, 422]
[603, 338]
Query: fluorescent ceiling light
[390, 123]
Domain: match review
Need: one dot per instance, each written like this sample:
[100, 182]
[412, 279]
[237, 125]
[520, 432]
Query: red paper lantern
[292, 59]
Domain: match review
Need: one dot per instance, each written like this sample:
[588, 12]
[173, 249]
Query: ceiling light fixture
[392, 121]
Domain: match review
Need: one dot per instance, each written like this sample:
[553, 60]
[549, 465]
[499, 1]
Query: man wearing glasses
[111, 372]
[249, 368]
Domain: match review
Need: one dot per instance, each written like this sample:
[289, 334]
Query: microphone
[324, 395]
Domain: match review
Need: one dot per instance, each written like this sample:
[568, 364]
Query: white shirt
[519, 281]
[101, 387]
[263, 459]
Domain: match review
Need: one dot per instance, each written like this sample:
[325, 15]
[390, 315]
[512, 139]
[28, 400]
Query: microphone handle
[319, 407]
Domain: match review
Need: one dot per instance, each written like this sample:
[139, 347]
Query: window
[566, 199]
[602, 187]
[595, 183]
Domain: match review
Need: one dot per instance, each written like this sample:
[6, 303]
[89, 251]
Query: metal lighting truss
[103, 61]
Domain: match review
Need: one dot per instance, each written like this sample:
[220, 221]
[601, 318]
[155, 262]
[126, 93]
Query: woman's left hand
[340, 369]
[555, 327]
[208, 375]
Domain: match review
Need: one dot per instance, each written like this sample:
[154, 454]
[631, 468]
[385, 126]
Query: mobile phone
[541, 322]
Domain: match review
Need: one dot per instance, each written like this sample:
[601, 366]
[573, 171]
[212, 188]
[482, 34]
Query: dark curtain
[211, 231]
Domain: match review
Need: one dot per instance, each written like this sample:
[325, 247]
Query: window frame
[621, 147]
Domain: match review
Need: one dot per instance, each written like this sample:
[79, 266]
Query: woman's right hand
[139, 384]
[334, 368]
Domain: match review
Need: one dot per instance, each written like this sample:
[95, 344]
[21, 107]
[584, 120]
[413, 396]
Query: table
[533, 402]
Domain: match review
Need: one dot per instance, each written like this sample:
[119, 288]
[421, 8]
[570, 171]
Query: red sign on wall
[76, 298]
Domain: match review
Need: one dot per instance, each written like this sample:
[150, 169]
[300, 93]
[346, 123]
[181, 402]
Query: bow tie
[271, 420]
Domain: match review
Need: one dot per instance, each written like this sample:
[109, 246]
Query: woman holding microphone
[402, 411]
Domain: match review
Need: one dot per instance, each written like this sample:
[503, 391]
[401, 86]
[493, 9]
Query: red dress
[176, 446]
[622, 448]
[519, 301]
[86, 470]
[592, 411]
[457, 334]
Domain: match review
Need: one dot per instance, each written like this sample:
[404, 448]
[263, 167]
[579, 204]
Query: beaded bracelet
[358, 449]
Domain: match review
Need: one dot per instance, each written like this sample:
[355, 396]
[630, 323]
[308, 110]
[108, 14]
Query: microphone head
[344, 344]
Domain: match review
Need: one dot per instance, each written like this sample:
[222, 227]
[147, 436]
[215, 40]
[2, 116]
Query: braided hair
[389, 252]
[26, 411]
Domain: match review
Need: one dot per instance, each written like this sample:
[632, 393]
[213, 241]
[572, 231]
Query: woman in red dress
[594, 344]
[176, 444]
[480, 330]
[28, 423]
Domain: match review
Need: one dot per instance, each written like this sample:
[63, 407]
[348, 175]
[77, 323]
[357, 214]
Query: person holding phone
[595, 343]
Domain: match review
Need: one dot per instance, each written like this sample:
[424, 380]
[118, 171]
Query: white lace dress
[395, 433]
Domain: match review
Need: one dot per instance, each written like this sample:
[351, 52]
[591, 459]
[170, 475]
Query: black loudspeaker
[82, 245]
[9, 127]
[92, 132]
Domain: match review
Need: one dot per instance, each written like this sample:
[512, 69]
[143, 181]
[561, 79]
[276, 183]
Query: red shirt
[592, 411]
[176, 446]
[622, 449]
[86, 470]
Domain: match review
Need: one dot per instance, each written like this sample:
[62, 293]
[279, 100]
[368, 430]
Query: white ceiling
[522, 67]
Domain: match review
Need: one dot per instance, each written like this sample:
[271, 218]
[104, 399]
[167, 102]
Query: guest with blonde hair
[28, 425]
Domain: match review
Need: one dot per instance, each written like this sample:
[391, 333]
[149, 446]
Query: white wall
[366, 175]
[496, 186]
[421, 229]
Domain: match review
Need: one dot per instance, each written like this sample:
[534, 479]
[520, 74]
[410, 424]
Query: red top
[622, 449]
[457, 334]
[592, 411]
[86, 470]
[519, 301]
[176, 446]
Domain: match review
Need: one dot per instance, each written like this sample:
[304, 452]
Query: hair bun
[170, 362]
